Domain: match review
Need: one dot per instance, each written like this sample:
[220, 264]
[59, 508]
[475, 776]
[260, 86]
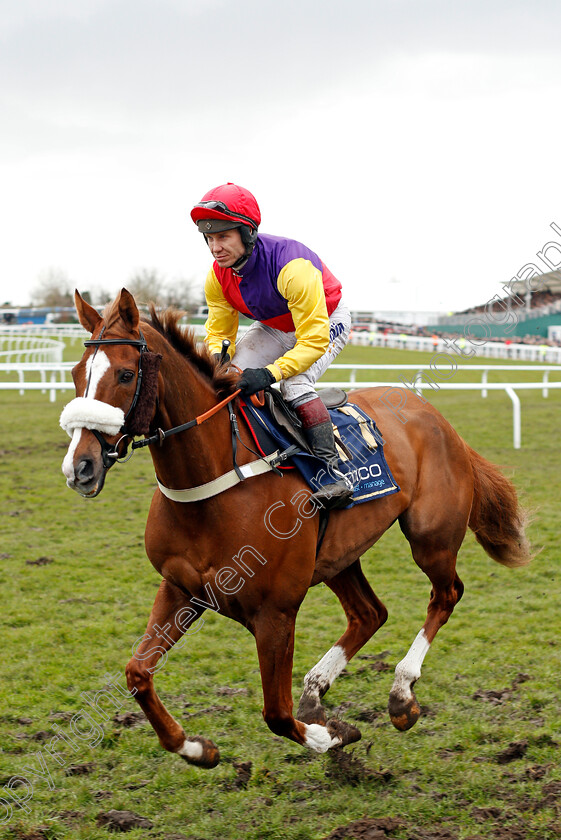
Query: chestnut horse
[249, 549]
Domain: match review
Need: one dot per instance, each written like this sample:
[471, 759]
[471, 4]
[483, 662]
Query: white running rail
[507, 387]
[20, 347]
[54, 376]
[486, 347]
[540, 352]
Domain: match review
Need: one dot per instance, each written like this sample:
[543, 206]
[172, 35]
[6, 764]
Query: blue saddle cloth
[361, 455]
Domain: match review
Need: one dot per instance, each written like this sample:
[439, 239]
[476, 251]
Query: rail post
[515, 416]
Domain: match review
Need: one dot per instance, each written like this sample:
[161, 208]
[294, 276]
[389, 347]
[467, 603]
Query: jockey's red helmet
[227, 204]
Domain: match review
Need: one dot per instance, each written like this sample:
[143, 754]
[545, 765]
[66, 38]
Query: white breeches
[263, 345]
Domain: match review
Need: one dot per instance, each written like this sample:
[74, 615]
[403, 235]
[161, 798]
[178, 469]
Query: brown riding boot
[317, 427]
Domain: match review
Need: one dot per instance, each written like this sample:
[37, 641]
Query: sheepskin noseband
[88, 413]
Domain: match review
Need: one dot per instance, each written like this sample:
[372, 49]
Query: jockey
[301, 323]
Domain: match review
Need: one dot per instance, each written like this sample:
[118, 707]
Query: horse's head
[108, 378]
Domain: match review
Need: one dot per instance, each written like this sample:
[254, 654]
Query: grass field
[76, 591]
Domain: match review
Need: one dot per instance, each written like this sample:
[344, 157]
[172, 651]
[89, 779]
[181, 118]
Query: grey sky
[431, 125]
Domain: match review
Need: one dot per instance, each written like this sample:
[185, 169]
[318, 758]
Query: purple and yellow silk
[284, 285]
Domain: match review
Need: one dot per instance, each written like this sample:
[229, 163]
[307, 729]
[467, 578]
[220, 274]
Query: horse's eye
[126, 375]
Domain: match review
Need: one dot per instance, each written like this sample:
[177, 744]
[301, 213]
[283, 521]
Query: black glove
[255, 379]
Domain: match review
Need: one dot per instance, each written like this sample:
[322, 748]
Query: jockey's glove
[255, 379]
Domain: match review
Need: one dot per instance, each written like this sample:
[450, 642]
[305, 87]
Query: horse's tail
[496, 518]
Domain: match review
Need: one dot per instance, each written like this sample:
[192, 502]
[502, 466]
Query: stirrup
[334, 496]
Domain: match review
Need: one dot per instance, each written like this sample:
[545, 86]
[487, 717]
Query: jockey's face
[226, 246]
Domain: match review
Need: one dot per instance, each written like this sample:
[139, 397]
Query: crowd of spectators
[544, 298]
[537, 340]
[392, 328]
[541, 298]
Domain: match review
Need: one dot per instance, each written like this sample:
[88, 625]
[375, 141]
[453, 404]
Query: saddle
[289, 421]
[275, 427]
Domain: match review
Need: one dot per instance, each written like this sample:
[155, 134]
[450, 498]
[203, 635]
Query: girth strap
[223, 482]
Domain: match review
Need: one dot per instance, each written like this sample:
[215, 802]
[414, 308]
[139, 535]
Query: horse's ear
[128, 310]
[87, 315]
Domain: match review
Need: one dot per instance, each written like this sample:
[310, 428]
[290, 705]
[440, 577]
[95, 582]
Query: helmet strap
[249, 238]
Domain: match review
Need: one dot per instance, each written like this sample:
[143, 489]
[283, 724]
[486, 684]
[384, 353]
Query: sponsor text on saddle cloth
[361, 456]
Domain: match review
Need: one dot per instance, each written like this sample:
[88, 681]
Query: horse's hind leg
[447, 589]
[365, 615]
[172, 616]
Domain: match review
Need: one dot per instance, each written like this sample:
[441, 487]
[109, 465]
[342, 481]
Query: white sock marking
[318, 738]
[321, 676]
[408, 670]
[191, 749]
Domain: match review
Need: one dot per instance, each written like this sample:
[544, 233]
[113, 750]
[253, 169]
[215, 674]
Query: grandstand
[518, 315]
[523, 314]
[37, 315]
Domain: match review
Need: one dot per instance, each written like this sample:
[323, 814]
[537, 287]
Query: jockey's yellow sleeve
[223, 319]
[300, 283]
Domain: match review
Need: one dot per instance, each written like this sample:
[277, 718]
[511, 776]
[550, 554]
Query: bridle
[110, 453]
[103, 418]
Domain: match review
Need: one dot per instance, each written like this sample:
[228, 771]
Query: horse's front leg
[274, 635]
[172, 616]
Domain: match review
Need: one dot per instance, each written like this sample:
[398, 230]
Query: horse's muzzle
[89, 489]
[83, 467]
[86, 481]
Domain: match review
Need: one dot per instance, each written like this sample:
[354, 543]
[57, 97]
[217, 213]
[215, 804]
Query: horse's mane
[166, 322]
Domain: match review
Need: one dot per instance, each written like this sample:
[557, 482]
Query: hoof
[404, 713]
[345, 732]
[200, 751]
[310, 711]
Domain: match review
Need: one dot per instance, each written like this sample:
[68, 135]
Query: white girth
[88, 413]
[220, 484]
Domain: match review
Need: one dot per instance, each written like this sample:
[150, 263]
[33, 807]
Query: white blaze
[68, 463]
[95, 368]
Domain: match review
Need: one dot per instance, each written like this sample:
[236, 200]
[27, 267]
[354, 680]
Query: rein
[160, 435]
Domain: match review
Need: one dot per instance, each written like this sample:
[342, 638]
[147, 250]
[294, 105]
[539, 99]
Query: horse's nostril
[84, 470]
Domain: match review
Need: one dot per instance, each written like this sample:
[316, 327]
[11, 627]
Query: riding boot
[317, 427]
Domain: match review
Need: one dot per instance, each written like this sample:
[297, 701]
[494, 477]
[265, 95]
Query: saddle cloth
[359, 445]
